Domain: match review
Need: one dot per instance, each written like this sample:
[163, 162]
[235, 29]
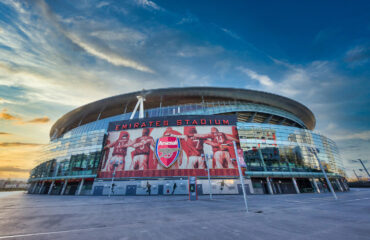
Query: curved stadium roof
[115, 105]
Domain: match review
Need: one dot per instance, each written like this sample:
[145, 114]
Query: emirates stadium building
[153, 141]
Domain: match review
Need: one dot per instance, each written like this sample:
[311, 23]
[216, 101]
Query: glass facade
[267, 147]
[205, 108]
[274, 148]
[71, 155]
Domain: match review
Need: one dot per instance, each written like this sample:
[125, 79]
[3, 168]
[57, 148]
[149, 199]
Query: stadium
[153, 141]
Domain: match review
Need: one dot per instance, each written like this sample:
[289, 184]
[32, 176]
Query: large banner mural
[175, 146]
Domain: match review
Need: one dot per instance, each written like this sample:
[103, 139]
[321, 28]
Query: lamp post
[206, 158]
[113, 174]
[241, 176]
[314, 152]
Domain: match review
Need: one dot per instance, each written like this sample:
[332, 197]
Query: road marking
[77, 230]
[96, 203]
[325, 200]
[357, 199]
[46, 233]
[294, 201]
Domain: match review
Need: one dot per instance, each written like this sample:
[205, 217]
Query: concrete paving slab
[295, 216]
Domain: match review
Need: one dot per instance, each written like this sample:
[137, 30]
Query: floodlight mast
[363, 165]
[356, 175]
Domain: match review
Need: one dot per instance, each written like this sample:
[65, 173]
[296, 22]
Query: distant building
[12, 185]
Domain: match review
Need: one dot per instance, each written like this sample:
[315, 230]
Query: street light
[315, 153]
[113, 174]
[207, 157]
[240, 175]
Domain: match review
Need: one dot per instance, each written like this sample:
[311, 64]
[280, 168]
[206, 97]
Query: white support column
[51, 187]
[42, 185]
[315, 185]
[339, 185]
[269, 187]
[30, 188]
[295, 185]
[64, 187]
[80, 186]
[344, 184]
[140, 105]
[135, 109]
[34, 187]
[141, 112]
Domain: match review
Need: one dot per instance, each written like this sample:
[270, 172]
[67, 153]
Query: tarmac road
[293, 216]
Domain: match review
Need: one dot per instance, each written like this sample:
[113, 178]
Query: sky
[58, 55]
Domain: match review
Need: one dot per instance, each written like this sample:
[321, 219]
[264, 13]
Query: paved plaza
[293, 216]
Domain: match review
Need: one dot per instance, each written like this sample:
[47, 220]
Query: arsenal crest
[167, 150]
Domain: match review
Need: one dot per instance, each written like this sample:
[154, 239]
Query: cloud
[148, 5]
[5, 133]
[183, 77]
[303, 82]
[283, 63]
[38, 120]
[2, 101]
[15, 76]
[16, 5]
[198, 51]
[262, 79]
[358, 54]
[130, 36]
[17, 157]
[189, 18]
[108, 55]
[231, 33]
[54, 58]
[102, 4]
[99, 51]
[327, 91]
[52, 89]
[9, 117]
[364, 135]
[13, 169]
[6, 116]
[19, 144]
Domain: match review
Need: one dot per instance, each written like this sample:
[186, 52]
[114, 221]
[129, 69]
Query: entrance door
[199, 189]
[73, 189]
[98, 190]
[275, 187]
[57, 188]
[131, 190]
[259, 186]
[288, 187]
[160, 189]
[246, 187]
[304, 185]
[46, 188]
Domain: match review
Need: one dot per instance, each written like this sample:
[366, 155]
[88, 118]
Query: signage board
[170, 146]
